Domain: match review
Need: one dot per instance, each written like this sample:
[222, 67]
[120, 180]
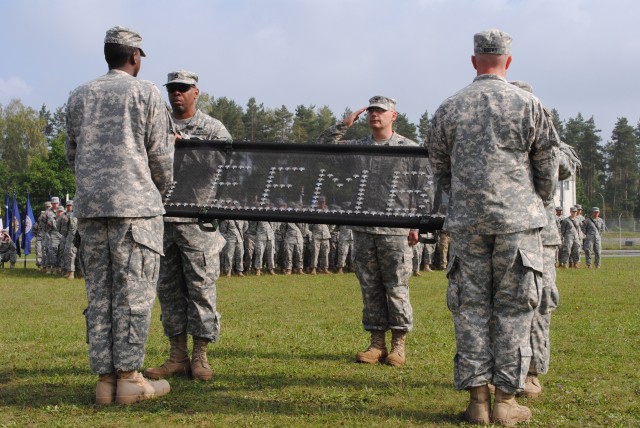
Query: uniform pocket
[139, 321]
[525, 360]
[531, 280]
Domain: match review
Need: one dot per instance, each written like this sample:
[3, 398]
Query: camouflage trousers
[495, 282]
[319, 253]
[10, 256]
[540, 343]
[232, 255]
[345, 248]
[54, 247]
[592, 247]
[293, 255]
[38, 251]
[264, 254]
[122, 260]
[187, 282]
[383, 266]
[570, 250]
[416, 260]
[249, 249]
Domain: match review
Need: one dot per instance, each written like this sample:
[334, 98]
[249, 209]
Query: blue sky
[579, 55]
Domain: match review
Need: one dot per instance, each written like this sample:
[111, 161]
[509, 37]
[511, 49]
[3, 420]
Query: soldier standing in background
[571, 233]
[345, 247]
[592, 229]
[8, 250]
[293, 249]
[191, 262]
[120, 147]
[233, 251]
[41, 237]
[265, 248]
[72, 255]
[382, 259]
[492, 147]
[49, 226]
[62, 225]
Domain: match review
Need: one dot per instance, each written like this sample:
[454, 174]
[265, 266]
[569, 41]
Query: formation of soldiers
[262, 247]
[252, 247]
[57, 246]
[579, 234]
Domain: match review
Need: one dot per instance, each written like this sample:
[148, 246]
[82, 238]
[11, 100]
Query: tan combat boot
[272, 272]
[106, 388]
[340, 270]
[200, 368]
[71, 275]
[377, 350]
[240, 273]
[416, 273]
[258, 272]
[327, 271]
[479, 408]
[300, 271]
[396, 357]
[532, 387]
[506, 410]
[178, 362]
[576, 265]
[312, 271]
[286, 272]
[12, 265]
[133, 387]
[228, 273]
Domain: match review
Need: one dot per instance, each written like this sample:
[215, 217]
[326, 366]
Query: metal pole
[620, 229]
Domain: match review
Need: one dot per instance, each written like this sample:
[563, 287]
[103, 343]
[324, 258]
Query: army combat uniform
[495, 269]
[120, 147]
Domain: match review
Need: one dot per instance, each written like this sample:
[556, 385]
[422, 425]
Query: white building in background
[566, 195]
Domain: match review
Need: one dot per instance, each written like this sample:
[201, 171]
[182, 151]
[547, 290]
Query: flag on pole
[29, 221]
[6, 211]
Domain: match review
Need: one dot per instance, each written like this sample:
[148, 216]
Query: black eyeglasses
[180, 87]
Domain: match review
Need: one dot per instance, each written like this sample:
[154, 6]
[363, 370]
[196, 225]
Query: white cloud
[13, 87]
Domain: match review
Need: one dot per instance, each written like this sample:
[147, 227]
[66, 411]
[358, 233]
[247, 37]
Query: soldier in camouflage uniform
[571, 233]
[233, 251]
[249, 238]
[191, 262]
[120, 146]
[319, 246]
[55, 240]
[49, 227]
[345, 247]
[492, 147]
[41, 237]
[592, 229]
[8, 250]
[72, 255]
[382, 255]
[62, 225]
[265, 248]
[293, 248]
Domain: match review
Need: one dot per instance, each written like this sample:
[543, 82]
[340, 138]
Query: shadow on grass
[230, 394]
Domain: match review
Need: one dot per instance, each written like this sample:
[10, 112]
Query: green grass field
[285, 357]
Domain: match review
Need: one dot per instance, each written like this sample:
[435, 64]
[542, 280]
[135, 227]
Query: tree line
[32, 147]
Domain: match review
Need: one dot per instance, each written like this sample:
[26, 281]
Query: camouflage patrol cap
[382, 102]
[492, 42]
[595, 210]
[558, 208]
[573, 209]
[522, 85]
[55, 200]
[182, 76]
[47, 204]
[69, 202]
[578, 206]
[124, 36]
[60, 209]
